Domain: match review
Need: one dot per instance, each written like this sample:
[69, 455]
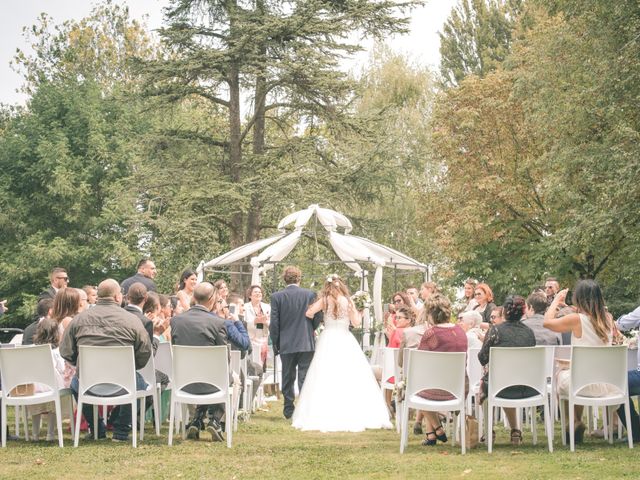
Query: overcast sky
[421, 44]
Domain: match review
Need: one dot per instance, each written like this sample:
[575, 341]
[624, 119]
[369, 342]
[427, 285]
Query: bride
[340, 392]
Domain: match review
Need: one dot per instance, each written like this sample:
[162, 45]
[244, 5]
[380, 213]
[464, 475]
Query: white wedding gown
[340, 392]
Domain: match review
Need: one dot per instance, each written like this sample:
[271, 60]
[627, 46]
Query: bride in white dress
[340, 392]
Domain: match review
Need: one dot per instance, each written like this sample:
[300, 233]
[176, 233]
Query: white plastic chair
[32, 364]
[113, 365]
[434, 370]
[597, 365]
[390, 369]
[153, 390]
[474, 372]
[509, 366]
[20, 412]
[208, 365]
[236, 368]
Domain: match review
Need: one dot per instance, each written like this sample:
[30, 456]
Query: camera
[232, 309]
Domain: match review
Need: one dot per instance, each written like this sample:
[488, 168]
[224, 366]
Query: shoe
[193, 432]
[119, 439]
[493, 437]
[215, 430]
[417, 429]
[430, 442]
[579, 432]
[443, 436]
[516, 437]
[101, 436]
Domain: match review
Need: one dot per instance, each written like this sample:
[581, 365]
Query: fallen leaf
[39, 461]
[466, 472]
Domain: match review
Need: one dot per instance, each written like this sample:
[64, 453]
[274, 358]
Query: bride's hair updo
[334, 287]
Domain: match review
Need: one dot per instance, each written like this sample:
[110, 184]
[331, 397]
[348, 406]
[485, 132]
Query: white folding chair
[25, 365]
[113, 366]
[153, 390]
[209, 365]
[389, 369]
[597, 365]
[434, 370]
[509, 366]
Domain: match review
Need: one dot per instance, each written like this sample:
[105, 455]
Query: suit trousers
[291, 363]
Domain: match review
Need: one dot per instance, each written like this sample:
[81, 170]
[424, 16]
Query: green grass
[268, 447]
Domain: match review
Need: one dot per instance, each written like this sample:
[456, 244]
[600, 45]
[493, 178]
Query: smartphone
[385, 308]
[568, 300]
[260, 326]
[232, 309]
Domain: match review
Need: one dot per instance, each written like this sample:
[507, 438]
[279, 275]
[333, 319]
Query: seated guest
[48, 332]
[92, 294]
[405, 318]
[496, 317]
[198, 326]
[137, 295]
[512, 333]
[399, 299]
[66, 305]
[470, 322]
[44, 310]
[590, 325]
[444, 336]
[534, 319]
[484, 296]
[104, 325]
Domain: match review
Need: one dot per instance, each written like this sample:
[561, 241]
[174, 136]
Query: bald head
[205, 294]
[108, 288]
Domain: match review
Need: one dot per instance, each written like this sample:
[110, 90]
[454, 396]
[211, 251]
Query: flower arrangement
[361, 300]
[630, 339]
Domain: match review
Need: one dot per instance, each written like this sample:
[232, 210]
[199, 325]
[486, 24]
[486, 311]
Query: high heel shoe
[429, 442]
[443, 436]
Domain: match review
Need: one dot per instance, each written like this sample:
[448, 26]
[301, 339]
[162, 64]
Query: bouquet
[361, 300]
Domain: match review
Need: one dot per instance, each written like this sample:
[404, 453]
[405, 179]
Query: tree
[282, 57]
[477, 37]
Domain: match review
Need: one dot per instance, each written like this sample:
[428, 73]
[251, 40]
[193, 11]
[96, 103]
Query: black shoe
[120, 439]
[193, 432]
[288, 415]
[101, 436]
[215, 430]
[430, 442]
[443, 436]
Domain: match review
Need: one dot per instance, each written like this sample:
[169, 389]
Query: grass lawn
[268, 447]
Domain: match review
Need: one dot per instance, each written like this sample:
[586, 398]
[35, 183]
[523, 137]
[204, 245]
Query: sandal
[516, 436]
[429, 442]
[443, 436]
[493, 437]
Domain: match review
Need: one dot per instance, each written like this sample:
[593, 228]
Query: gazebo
[350, 249]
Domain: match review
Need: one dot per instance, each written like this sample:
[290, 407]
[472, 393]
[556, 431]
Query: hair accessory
[331, 278]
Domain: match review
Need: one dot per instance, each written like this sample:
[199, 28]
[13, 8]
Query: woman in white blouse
[256, 314]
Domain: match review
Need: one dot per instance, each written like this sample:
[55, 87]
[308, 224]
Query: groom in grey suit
[292, 333]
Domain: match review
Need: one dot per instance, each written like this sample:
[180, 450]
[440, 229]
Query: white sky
[421, 45]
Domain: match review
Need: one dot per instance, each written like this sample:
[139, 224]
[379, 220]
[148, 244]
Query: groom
[292, 333]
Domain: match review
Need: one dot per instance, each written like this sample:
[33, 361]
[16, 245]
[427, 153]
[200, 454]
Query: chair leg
[572, 426]
[489, 435]
[134, 408]
[3, 424]
[142, 414]
[461, 426]
[156, 410]
[562, 421]
[228, 426]
[172, 409]
[76, 436]
[627, 411]
[548, 425]
[24, 422]
[59, 422]
[95, 421]
[534, 430]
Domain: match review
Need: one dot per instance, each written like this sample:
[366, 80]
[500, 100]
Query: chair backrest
[604, 365]
[474, 368]
[148, 372]
[28, 364]
[235, 361]
[517, 366]
[113, 365]
[208, 365]
[162, 358]
[389, 362]
[436, 370]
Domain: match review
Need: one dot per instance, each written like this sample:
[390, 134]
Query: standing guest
[105, 325]
[145, 275]
[405, 318]
[188, 282]
[470, 323]
[414, 296]
[551, 288]
[256, 315]
[399, 299]
[59, 280]
[442, 337]
[136, 298]
[92, 294]
[590, 325]
[223, 288]
[44, 310]
[66, 305]
[469, 302]
[511, 333]
[198, 326]
[534, 319]
[484, 296]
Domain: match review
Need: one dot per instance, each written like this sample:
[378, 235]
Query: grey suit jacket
[290, 330]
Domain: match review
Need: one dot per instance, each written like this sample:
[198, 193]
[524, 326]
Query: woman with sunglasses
[399, 299]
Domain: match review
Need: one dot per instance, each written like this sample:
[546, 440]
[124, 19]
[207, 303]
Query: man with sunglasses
[59, 280]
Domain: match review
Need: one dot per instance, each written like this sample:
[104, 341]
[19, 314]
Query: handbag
[471, 431]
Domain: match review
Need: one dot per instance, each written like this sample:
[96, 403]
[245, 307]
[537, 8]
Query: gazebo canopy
[351, 249]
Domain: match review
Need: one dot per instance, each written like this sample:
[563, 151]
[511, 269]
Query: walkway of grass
[267, 447]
